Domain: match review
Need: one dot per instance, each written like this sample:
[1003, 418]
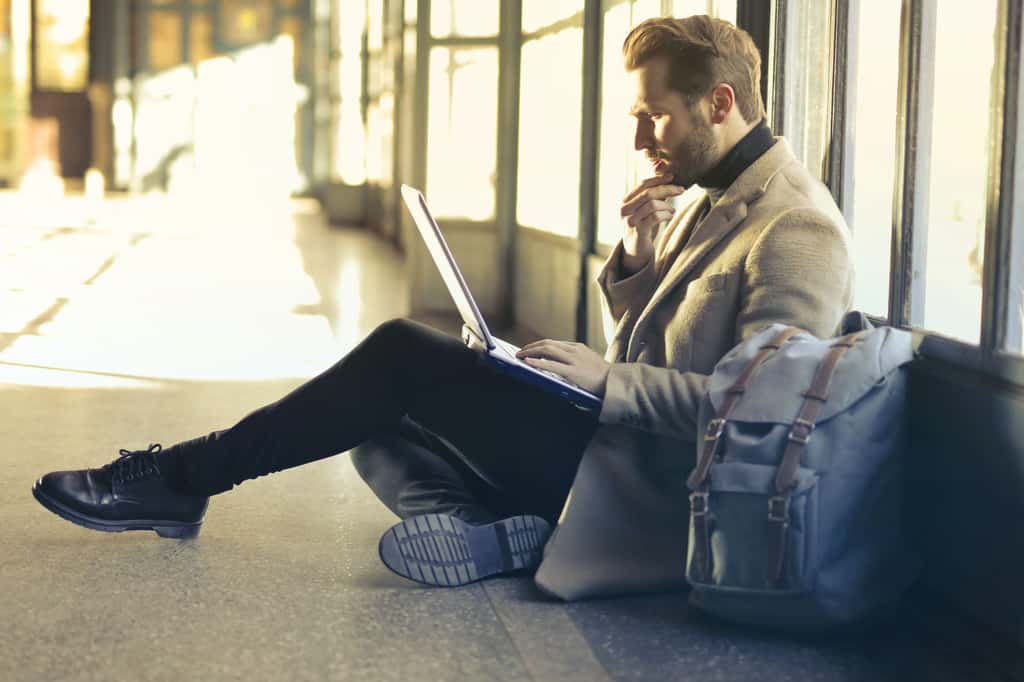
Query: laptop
[499, 354]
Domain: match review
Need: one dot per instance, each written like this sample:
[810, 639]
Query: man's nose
[643, 138]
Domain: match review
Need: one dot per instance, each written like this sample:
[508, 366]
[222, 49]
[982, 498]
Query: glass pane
[549, 132]
[871, 128]
[375, 25]
[462, 132]
[959, 168]
[615, 165]
[164, 40]
[723, 9]
[348, 157]
[200, 37]
[642, 9]
[464, 18]
[293, 27]
[540, 13]
[351, 20]
[808, 96]
[62, 44]
[620, 166]
[374, 133]
[349, 144]
[246, 21]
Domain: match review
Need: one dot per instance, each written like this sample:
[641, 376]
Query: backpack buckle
[801, 431]
[715, 428]
[778, 509]
[698, 503]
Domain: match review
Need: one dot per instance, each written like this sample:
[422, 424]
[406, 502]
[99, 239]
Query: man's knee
[397, 329]
[367, 457]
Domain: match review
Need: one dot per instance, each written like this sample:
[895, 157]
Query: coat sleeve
[620, 294]
[798, 273]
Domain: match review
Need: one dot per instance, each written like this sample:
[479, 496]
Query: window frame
[1003, 274]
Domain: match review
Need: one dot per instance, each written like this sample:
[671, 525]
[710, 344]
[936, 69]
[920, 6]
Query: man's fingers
[654, 181]
[650, 220]
[547, 351]
[655, 193]
[647, 209]
[559, 368]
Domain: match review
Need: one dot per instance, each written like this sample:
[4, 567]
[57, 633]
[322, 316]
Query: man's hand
[643, 211]
[574, 361]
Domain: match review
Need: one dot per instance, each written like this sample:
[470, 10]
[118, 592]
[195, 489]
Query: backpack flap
[776, 390]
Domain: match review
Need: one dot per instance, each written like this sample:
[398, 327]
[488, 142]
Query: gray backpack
[795, 509]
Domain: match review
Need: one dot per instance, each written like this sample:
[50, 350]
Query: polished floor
[137, 321]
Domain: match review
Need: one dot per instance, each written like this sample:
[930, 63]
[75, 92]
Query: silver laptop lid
[445, 262]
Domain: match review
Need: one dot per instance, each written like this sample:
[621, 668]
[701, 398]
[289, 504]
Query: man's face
[677, 139]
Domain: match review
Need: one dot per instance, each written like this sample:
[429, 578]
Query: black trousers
[431, 428]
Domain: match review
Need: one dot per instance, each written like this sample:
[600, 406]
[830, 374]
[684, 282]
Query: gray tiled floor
[140, 328]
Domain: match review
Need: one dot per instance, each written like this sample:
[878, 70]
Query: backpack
[796, 498]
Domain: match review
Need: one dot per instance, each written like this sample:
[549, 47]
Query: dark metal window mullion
[1001, 281]
[509, 57]
[776, 95]
[840, 150]
[913, 160]
[589, 149]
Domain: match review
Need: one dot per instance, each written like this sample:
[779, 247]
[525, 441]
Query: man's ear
[723, 98]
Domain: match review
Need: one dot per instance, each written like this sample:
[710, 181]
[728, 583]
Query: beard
[693, 157]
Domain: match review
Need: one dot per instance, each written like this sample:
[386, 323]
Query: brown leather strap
[700, 552]
[738, 388]
[799, 434]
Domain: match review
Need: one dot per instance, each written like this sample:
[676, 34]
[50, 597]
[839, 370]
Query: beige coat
[773, 249]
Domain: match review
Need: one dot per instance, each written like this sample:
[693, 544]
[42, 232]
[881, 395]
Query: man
[478, 465]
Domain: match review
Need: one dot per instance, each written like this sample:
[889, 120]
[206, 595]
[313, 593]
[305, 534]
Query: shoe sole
[441, 550]
[165, 529]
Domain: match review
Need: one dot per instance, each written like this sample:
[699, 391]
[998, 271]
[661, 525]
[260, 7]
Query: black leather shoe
[442, 550]
[130, 493]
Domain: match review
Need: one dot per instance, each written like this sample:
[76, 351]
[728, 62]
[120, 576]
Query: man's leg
[402, 367]
[514, 434]
[458, 527]
[414, 472]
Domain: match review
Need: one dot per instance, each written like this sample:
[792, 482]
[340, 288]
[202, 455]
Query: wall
[965, 477]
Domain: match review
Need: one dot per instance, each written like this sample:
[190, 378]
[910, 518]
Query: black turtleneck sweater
[749, 149]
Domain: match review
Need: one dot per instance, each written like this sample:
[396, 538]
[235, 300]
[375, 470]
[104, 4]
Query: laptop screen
[445, 263]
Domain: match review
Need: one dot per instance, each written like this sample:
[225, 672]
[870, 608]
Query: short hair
[702, 52]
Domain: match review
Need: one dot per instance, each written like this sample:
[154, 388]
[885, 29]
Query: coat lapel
[724, 217]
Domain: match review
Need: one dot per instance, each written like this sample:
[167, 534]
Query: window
[164, 40]
[348, 159]
[463, 18]
[723, 9]
[958, 170]
[462, 131]
[871, 164]
[550, 110]
[807, 96]
[62, 45]
[538, 14]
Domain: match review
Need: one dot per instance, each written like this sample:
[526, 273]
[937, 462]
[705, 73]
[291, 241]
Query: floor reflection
[153, 287]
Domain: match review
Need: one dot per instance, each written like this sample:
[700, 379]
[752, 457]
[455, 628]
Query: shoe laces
[134, 464]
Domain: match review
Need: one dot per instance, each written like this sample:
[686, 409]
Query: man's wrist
[630, 264]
